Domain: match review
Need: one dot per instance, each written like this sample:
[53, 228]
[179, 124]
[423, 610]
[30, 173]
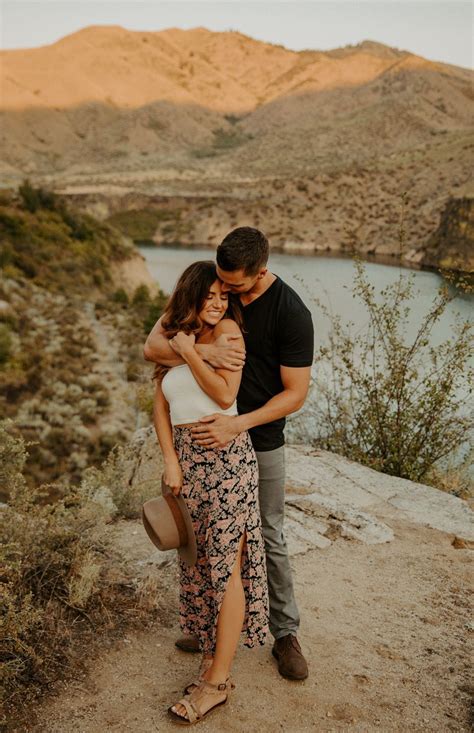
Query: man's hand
[216, 430]
[225, 353]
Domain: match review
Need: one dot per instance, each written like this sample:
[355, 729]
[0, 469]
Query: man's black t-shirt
[278, 331]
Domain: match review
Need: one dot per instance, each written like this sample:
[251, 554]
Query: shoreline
[107, 201]
[392, 260]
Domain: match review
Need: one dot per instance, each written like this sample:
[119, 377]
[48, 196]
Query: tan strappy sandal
[197, 703]
[205, 665]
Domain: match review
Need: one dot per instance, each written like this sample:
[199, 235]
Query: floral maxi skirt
[220, 488]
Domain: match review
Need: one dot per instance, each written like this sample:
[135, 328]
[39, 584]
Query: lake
[329, 279]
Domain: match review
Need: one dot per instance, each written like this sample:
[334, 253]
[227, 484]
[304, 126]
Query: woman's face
[215, 305]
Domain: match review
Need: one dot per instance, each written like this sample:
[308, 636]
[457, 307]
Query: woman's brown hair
[187, 300]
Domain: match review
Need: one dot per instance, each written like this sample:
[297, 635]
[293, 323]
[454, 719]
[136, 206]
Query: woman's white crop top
[187, 401]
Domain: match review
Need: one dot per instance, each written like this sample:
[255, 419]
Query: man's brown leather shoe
[188, 644]
[291, 663]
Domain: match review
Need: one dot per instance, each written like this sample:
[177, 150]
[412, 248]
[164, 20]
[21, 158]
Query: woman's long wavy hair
[187, 300]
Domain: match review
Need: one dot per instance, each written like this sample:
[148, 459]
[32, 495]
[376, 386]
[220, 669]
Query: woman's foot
[206, 663]
[204, 698]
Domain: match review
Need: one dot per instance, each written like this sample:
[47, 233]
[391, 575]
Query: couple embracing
[233, 349]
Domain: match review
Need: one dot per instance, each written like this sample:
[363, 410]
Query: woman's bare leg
[229, 624]
[229, 627]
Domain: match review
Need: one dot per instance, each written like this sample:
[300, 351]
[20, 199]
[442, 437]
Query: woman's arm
[223, 384]
[161, 420]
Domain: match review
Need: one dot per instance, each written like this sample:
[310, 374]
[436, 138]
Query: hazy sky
[441, 31]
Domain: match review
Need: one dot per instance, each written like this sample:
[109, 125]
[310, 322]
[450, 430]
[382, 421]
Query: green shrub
[29, 196]
[142, 224]
[120, 296]
[37, 198]
[391, 404]
[141, 296]
[6, 255]
[58, 248]
[5, 343]
[227, 140]
[155, 310]
[47, 553]
[113, 479]
[233, 119]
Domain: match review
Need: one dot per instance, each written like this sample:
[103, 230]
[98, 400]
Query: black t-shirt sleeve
[296, 338]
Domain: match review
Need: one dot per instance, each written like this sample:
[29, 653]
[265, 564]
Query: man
[278, 335]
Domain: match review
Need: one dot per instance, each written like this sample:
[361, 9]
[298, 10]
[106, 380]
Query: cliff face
[452, 245]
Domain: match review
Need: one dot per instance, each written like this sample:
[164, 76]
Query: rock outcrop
[356, 502]
[131, 273]
[331, 497]
[451, 246]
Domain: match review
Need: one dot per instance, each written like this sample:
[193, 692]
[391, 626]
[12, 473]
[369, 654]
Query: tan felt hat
[169, 525]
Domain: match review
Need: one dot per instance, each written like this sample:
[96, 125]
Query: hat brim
[187, 553]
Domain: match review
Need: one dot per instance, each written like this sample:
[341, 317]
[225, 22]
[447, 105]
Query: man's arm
[227, 351]
[295, 388]
[221, 385]
[222, 428]
[157, 348]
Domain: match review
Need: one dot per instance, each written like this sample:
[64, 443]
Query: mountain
[246, 123]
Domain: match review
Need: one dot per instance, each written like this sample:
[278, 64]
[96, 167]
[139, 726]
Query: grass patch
[142, 224]
[224, 141]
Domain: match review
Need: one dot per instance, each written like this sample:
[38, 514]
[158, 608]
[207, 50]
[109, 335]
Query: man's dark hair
[244, 248]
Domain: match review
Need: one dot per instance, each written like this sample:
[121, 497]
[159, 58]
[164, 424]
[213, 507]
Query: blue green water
[329, 279]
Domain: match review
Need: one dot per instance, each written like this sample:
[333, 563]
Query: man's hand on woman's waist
[216, 430]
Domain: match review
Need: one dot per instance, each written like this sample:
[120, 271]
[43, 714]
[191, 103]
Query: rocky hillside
[315, 147]
[71, 367]
[105, 98]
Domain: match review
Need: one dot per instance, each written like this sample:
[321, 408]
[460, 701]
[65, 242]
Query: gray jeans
[284, 616]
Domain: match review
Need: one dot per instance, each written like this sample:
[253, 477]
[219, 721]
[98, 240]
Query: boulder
[326, 485]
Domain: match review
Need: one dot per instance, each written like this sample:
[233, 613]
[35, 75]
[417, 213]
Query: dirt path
[385, 628]
[121, 413]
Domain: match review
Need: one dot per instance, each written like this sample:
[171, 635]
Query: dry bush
[52, 383]
[118, 485]
[61, 580]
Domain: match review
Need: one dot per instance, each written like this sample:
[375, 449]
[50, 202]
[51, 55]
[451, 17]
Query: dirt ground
[385, 628]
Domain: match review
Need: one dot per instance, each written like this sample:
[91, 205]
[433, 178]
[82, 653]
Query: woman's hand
[182, 343]
[173, 476]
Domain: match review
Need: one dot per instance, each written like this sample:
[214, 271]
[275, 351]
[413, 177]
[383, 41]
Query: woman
[225, 593]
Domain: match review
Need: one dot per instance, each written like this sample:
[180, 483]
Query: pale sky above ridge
[440, 31]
